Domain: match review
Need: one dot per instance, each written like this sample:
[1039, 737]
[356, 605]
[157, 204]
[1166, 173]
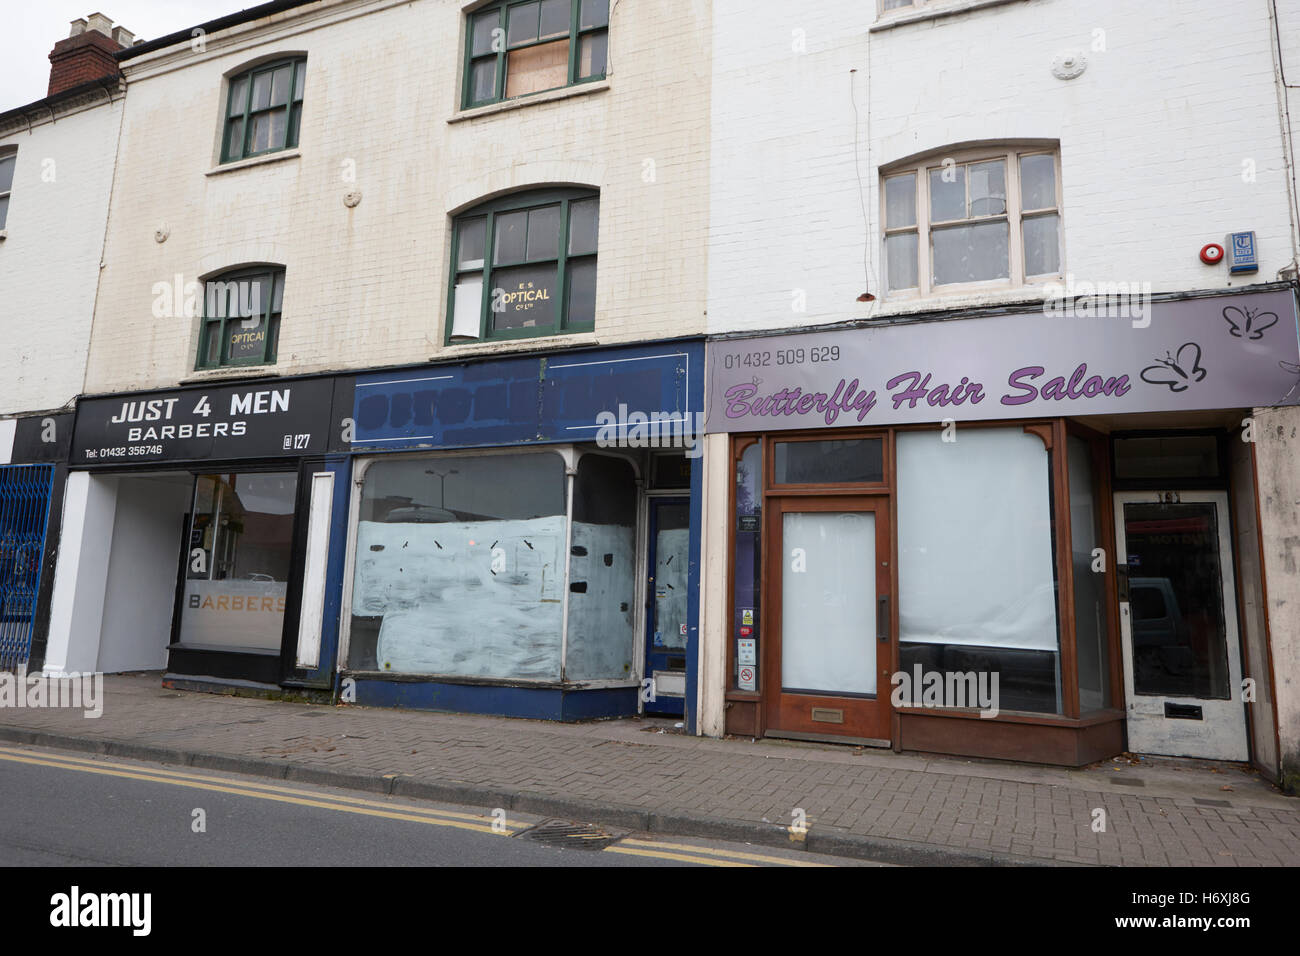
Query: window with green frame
[263, 109]
[516, 48]
[525, 265]
[241, 317]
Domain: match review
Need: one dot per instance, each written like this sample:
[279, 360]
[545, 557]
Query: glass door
[1182, 658]
[240, 550]
[668, 562]
[827, 671]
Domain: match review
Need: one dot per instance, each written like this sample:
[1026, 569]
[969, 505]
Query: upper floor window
[7, 163]
[241, 317]
[263, 109]
[889, 6]
[986, 219]
[514, 49]
[525, 265]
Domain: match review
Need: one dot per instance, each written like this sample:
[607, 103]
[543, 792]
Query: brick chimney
[87, 53]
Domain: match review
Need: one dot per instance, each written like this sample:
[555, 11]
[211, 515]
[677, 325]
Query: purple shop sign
[1236, 351]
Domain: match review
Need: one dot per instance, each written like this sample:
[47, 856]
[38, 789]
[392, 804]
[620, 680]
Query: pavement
[647, 776]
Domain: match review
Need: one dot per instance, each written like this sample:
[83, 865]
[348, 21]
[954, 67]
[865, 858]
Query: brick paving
[1161, 812]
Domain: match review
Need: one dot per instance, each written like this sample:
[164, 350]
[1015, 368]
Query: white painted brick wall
[368, 286]
[1153, 137]
[49, 262]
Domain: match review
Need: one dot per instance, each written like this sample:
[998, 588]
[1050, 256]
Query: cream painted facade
[366, 285]
[53, 240]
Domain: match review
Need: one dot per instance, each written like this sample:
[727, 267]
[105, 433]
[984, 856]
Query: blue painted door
[24, 513]
[666, 622]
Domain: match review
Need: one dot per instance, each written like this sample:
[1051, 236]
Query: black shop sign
[262, 420]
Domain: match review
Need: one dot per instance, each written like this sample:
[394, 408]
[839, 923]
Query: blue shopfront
[525, 535]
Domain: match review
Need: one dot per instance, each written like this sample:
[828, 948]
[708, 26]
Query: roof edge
[212, 26]
[107, 83]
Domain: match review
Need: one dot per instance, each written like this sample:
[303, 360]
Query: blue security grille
[24, 513]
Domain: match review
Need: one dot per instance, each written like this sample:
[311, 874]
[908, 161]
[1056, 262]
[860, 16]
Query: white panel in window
[468, 308]
[828, 598]
[975, 559]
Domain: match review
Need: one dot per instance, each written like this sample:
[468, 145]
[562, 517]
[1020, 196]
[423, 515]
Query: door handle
[882, 618]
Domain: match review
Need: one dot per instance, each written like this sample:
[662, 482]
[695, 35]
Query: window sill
[550, 96]
[276, 157]
[230, 372]
[890, 20]
[1091, 718]
[904, 305]
[459, 349]
[409, 677]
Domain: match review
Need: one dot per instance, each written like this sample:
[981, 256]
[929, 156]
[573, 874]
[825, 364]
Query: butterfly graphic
[1178, 370]
[1248, 323]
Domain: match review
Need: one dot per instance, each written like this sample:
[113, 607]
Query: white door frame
[1221, 734]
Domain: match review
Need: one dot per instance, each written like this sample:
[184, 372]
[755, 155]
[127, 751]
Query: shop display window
[240, 554]
[977, 575]
[465, 564]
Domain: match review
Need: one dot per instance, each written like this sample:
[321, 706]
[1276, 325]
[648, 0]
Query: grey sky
[32, 28]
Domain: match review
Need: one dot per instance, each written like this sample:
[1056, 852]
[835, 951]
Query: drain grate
[573, 836]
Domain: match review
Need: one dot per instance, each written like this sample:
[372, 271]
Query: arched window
[241, 317]
[975, 219]
[263, 109]
[525, 265]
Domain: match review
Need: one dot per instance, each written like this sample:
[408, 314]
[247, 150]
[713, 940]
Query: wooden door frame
[776, 505]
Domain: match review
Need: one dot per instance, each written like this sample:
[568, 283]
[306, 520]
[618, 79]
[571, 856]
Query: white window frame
[1011, 154]
[922, 9]
[8, 153]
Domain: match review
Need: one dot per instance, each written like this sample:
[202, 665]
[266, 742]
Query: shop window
[1167, 457]
[669, 471]
[8, 160]
[462, 569]
[517, 49]
[525, 265]
[602, 571]
[263, 109]
[976, 573]
[828, 462]
[747, 592]
[974, 220]
[1091, 632]
[241, 317]
[240, 553]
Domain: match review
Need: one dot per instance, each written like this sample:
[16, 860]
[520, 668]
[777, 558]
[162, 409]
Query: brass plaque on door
[827, 715]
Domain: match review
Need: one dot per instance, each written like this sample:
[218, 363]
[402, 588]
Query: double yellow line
[343, 803]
